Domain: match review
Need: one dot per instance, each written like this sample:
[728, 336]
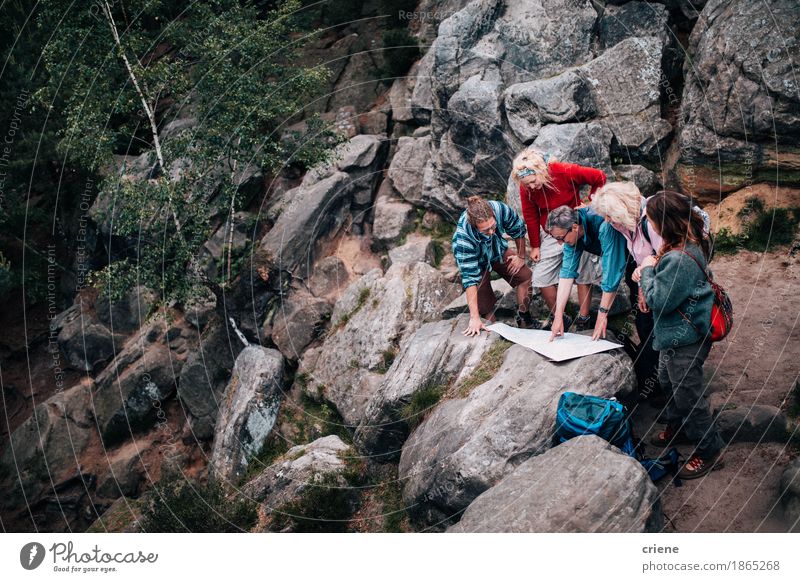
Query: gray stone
[560, 99]
[45, 449]
[228, 240]
[417, 249]
[407, 166]
[319, 206]
[467, 445]
[129, 312]
[250, 407]
[85, 343]
[131, 388]
[370, 320]
[583, 485]
[200, 309]
[126, 471]
[633, 19]
[393, 218]
[310, 214]
[646, 181]
[757, 423]
[439, 356]
[587, 144]
[329, 277]
[740, 106]
[298, 469]
[204, 376]
[790, 493]
[299, 321]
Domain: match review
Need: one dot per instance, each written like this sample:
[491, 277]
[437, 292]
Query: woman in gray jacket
[677, 290]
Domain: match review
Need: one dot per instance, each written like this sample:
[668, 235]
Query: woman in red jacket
[545, 184]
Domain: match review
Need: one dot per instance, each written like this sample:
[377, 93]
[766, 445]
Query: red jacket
[564, 190]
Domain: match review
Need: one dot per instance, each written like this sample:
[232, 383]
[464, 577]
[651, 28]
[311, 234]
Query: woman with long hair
[676, 287]
[545, 184]
[623, 207]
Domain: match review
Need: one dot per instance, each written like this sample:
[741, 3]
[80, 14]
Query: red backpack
[721, 310]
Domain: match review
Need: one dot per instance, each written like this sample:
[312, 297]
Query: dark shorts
[486, 298]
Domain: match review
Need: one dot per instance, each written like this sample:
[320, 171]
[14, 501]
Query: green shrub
[325, 506]
[762, 229]
[421, 402]
[400, 51]
[184, 506]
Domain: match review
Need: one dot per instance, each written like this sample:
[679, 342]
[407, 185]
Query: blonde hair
[531, 159]
[478, 210]
[621, 202]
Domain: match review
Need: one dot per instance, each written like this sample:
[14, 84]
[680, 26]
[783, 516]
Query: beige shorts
[545, 272]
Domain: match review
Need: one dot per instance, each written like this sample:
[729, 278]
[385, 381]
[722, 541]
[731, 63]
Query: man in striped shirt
[479, 247]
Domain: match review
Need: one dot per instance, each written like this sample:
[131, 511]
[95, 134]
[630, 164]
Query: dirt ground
[757, 364]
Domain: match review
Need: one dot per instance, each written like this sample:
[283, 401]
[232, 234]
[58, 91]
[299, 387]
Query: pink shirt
[638, 245]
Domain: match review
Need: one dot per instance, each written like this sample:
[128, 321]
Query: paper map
[571, 345]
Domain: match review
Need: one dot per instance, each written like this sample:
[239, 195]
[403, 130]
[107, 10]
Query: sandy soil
[758, 364]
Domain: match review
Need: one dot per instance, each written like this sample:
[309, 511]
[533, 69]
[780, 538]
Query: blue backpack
[581, 414]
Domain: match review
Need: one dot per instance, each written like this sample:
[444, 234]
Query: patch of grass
[488, 367]
[183, 506]
[324, 506]
[363, 295]
[438, 253]
[395, 518]
[762, 229]
[387, 359]
[274, 448]
[421, 402]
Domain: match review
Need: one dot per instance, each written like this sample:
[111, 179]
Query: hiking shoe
[525, 320]
[697, 466]
[669, 436]
[567, 323]
[582, 323]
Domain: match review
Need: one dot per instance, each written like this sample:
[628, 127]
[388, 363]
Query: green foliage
[231, 66]
[182, 506]
[400, 51]
[6, 276]
[324, 506]
[762, 229]
[387, 359]
[421, 402]
[490, 364]
[341, 12]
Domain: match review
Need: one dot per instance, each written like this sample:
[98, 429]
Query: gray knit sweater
[676, 284]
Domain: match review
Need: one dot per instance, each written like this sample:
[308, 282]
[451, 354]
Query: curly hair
[673, 216]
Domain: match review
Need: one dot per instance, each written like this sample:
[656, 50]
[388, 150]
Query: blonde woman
[545, 184]
[623, 207]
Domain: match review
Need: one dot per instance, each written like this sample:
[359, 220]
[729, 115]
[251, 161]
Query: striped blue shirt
[475, 252]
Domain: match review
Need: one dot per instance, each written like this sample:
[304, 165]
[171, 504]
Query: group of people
[659, 245]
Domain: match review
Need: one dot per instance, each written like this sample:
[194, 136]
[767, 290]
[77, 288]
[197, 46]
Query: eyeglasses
[561, 238]
[525, 172]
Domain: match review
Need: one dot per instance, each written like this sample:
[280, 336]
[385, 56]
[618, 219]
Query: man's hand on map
[474, 328]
